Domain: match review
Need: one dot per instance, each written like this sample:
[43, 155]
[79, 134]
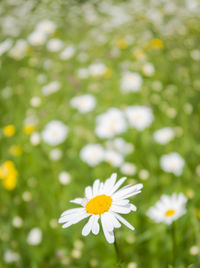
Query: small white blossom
[92, 154]
[139, 117]
[84, 103]
[55, 133]
[34, 237]
[164, 135]
[131, 82]
[173, 163]
[110, 123]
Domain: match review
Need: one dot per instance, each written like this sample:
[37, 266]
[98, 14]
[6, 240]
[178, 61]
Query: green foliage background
[150, 244]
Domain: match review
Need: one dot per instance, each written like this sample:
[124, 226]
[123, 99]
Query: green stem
[118, 255]
[173, 229]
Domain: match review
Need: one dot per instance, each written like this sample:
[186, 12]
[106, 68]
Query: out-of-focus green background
[122, 35]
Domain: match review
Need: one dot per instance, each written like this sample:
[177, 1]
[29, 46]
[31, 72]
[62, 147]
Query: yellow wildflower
[29, 129]
[8, 174]
[156, 44]
[16, 150]
[122, 44]
[107, 73]
[9, 130]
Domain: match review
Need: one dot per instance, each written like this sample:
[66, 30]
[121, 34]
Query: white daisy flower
[139, 117]
[55, 133]
[92, 154]
[168, 208]
[131, 82]
[110, 123]
[84, 103]
[173, 163]
[164, 135]
[104, 202]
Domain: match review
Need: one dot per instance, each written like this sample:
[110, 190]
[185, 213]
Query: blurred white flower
[114, 158]
[92, 154]
[64, 177]
[84, 103]
[97, 69]
[55, 154]
[51, 88]
[173, 163]
[67, 53]
[83, 73]
[104, 202]
[18, 51]
[37, 38]
[168, 208]
[34, 237]
[148, 69]
[194, 250]
[17, 222]
[139, 117]
[5, 46]
[10, 256]
[144, 174]
[35, 138]
[120, 145]
[164, 135]
[35, 101]
[54, 45]
[128, 169]
[131, 82]
[46, 26]
[110, 123]
[54, 133]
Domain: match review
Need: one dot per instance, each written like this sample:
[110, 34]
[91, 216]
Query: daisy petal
[120, 209]
[88, 192]
[77, 201]
[118, 184]
[125, 222]
[72, 211]
[95, 188]
[88, 226]
[108, 235]
[95, 226]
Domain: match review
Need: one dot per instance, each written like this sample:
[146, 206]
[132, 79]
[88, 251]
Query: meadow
[88, 89]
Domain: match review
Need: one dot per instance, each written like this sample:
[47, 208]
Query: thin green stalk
[173, 231]
[118, 254]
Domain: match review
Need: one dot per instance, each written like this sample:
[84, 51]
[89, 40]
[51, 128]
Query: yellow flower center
[99, 204]
[169, 212]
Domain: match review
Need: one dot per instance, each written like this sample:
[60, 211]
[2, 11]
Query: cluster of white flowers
[110, 123]
[41, 32]
[113, 153]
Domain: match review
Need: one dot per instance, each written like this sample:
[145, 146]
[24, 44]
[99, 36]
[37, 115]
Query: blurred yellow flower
[9, 130]
[122, 44]
[29, 129]
[16, 150]
[139, 54]
[156, 44]
[197, 212]
[8, 174]
[107, 73]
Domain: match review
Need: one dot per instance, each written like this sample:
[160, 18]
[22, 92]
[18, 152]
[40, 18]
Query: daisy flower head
[168, 208]
[104, 202]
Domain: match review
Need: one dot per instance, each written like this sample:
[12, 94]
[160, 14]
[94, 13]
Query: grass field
[121, 55]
